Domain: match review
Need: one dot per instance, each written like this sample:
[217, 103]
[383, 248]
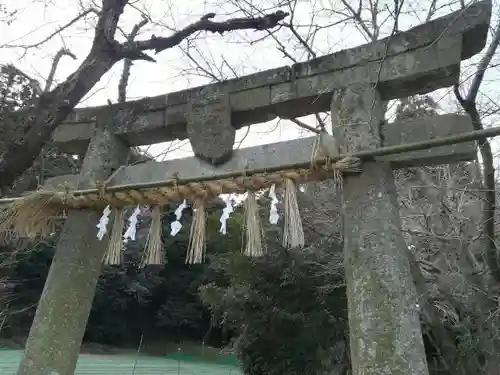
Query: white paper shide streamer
[176, 225]
[226, 212]
[103, 223]
[132, 226]
[273, 212]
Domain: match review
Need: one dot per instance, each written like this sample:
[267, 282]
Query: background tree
[35, 122]
[289, 312]
[156, 302]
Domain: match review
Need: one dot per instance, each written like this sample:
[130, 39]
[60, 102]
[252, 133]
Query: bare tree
[35, 122]
[469, 104]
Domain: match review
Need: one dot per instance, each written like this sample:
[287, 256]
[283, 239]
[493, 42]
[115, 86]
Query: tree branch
[108, 22]
[301, 40]
[469, 105]
[31, 179]
[304, 125]
[58, 31]
[483, 65]
[432, 10]
[127, 63]
[208, 73]
[62, 52]
[304, 43]
[36, 122]
[357, 17]
[132, 49]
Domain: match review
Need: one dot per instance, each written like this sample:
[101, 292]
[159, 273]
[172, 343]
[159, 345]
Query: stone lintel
[418, 60]
[299, 151]
[472, 24]
[419, 71]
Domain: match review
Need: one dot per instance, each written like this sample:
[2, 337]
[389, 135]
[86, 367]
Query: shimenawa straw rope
[153, 252]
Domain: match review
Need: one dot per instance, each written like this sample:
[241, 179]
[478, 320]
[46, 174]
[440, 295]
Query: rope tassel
[347, 164]
[293, 233]
[115, 245]
[253, 227]
[197, 244]
[153, 253]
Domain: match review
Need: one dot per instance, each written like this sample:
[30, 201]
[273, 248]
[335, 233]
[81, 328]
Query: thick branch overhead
[39, 119]
[204, 24]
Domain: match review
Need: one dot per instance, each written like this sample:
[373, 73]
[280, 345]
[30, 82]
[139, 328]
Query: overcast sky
[238, 52]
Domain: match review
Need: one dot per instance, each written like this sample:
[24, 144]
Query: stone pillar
[384, 325]
[57, 331]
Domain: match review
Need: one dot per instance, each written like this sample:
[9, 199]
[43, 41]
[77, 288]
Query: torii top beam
[419, 60]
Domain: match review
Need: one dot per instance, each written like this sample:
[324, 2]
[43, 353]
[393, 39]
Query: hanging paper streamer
[132, 226]
[293, 233]
[103, 223]
[226, 212]
[176, 226]
[197, 244]
[115, 246]
[253, 228]
[153, 253]
[273, 212]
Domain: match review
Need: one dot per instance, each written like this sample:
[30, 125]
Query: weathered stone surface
[472, 24]
[402, 74]
[320, 208]
[260, 79]
[356, 119]
[73, 137]
[384, 325]
[209, 125]
[54, 341]
[288, 99]
[299, 151]
[428, 127]
[383, 312]
[420, 60]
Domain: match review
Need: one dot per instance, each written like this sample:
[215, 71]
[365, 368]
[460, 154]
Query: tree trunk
[36, 124]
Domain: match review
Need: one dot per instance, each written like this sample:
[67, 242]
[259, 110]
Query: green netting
[175, 364]
[208, 357]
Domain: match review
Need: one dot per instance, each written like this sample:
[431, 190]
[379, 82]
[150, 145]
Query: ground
[129, 363]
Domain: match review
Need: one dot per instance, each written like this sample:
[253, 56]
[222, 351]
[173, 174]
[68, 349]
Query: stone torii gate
[385, 335]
